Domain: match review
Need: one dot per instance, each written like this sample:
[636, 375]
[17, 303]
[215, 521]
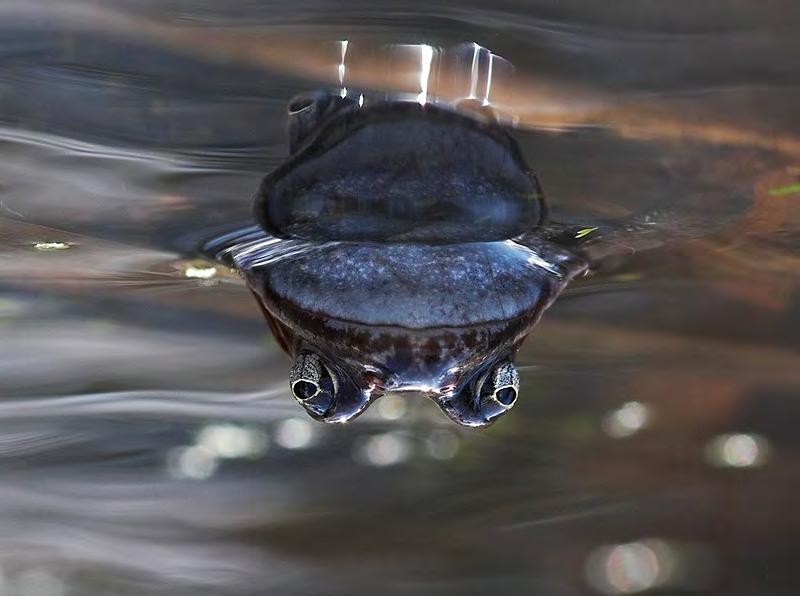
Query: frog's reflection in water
[402, 255]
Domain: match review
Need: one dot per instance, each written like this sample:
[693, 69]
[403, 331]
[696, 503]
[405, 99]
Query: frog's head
[365, 319]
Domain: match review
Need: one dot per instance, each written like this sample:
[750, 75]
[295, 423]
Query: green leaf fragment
[787, 189]
[584, 232]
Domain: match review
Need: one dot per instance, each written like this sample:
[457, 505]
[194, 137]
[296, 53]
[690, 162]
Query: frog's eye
[312, 383]
[500, 386]
[325, 393]
[486, 398]
[307, 111]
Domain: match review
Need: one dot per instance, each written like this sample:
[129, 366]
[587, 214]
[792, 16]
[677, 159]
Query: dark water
[148, 442]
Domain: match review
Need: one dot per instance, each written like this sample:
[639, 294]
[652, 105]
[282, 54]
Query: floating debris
[584, 232]
[200, 272]
[786, 189]
[627, 277]
[51, 246]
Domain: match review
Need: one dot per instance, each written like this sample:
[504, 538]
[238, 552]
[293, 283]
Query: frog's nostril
[300, 103]
[506, 396]
[304, 390]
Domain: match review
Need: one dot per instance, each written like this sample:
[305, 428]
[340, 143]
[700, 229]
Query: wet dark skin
[407, 251]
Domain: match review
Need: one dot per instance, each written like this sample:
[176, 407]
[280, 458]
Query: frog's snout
[487, 397]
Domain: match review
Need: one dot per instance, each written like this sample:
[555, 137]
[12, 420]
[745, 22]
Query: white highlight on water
[295, 433]
[627, 420]
[342, 67]
[426, 57]
[737, 450]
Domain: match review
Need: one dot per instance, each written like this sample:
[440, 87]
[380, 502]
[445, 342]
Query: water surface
[149, 443]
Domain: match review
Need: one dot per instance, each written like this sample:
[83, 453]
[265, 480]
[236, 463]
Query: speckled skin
[414, 286]
[409, 308]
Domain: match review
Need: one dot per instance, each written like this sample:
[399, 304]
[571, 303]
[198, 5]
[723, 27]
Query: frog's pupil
[506, 396]
[305, 389]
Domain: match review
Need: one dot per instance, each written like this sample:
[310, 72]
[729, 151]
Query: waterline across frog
[401, 255]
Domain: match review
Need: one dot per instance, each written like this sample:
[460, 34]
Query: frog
[402, 248]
